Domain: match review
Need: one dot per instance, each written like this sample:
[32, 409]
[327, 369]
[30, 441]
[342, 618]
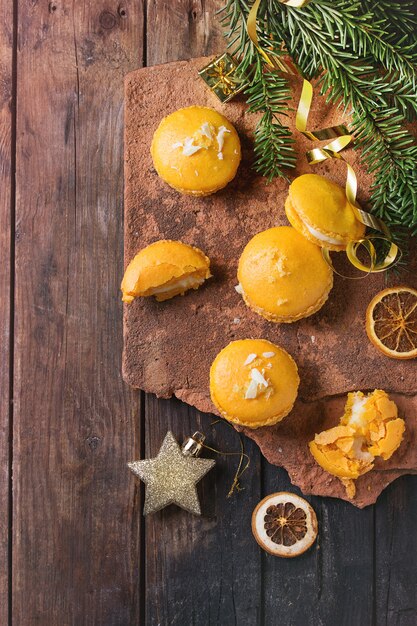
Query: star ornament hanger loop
[171, 477]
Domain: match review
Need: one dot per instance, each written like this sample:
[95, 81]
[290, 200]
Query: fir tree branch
[274, 144]
[266, 92]
[364, 53]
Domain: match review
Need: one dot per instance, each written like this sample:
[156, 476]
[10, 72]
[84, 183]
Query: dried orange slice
[391, 322]
[284, 524]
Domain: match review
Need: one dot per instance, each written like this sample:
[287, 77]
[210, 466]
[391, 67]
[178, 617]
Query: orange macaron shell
[230, 377]
[164, 269]
[318, 208]
[213, 155]
[283, 276]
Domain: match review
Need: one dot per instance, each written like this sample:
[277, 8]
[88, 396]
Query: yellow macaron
[282, 276]
[320, 211]
[196, 150]
[253, 382]
[165, 269]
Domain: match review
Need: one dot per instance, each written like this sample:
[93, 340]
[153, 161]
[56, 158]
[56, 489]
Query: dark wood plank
[201, 571]
[75, 531]
[319, 587]
[182, 29]
[7, 112]
[395, 555]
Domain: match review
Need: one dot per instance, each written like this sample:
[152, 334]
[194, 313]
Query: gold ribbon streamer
[273, 61]
[331, 151]
[340, 140]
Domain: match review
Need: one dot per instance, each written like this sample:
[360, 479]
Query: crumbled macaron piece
[369, 428]
[165, 269]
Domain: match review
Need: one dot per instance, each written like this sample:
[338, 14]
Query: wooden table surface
[74, 548]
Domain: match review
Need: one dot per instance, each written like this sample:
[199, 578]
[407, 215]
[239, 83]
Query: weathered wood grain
[182, 29]
[203, 570]
[7, 114]
[395, 555]
[75, 532]
[319, 586]
[76, 511]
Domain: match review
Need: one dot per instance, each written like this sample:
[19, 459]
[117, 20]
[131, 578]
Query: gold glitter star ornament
[172, 476]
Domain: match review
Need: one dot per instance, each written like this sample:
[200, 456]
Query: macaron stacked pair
[282, 273]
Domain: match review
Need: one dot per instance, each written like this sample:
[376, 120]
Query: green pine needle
[364, 55]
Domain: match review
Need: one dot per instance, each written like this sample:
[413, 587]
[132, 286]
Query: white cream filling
[360, 454]
[182, 283]
[358, 406]
[320, 236]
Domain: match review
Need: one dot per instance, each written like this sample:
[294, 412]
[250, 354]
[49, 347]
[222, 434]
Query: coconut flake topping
[220, 137]
[268, 355]
[220, 140]
[257, 376]
[252, 390]
[205, 130]
[239, 289]
[251, 357]
[188, 147]
[256, 380]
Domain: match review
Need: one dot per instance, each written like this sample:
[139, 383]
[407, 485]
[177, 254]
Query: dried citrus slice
[391, 322]
[284, 524]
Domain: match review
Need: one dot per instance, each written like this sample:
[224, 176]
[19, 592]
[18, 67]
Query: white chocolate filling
[320, 236]
[358, 406]
[183, 283]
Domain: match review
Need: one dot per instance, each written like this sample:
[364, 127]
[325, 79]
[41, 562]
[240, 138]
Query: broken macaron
[165, 269]
[369, 428]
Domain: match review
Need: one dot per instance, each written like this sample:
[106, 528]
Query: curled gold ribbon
[341, 138]
[332, 151]
[273, 61]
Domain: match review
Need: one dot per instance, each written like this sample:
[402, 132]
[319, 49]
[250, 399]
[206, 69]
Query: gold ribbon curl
[341, 138]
